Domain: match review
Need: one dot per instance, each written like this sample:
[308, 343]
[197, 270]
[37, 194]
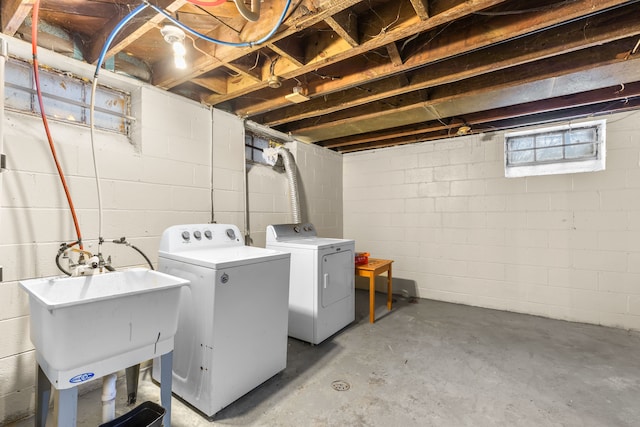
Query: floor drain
[340, 385]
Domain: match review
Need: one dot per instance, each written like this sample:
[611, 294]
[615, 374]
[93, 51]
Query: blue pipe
[222, 42]
[114, 32]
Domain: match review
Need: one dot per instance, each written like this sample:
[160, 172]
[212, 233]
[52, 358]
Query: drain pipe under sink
[109, 397]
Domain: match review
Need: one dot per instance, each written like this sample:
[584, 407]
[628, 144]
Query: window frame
[595, 162]
[53, 101]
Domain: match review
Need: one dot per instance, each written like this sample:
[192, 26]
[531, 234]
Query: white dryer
[321, 289]
[232, 324]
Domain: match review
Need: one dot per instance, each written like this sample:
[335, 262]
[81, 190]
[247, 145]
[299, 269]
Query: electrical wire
[222, 42]
[36, 76]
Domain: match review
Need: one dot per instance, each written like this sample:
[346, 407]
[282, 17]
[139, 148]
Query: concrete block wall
[160, 179]
[561, 246]
[183, 164]
[319, 187]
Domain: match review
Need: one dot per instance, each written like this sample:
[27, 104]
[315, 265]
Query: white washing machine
[232, 324]
[321, 290]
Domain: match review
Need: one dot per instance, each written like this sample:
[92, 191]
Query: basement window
[254, 145]
[66, 98]
[556, 150]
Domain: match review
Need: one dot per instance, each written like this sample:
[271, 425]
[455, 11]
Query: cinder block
[556, 220]
[15, 301]
[626, 283]
[599, 301]
[191, 198]
[633, 262]
[549, 183]
[486, 270]
[430, 159]
[486, 236]
[454, 235]
[634, 305]
[506, 220]
[15, 336]
[600, 260]
[627, 241]
[164, 171]
[468, 188]
[527, 238]
[573, 278]
[468, 220]
[601, 180]
[622, 158]
[450, 173]
[471, 153]
[419, 175]
[527, 202]
[228, 201]
[487, 203]
[17, 405]
[600, 221]
[17, 372]
[433, 189]
[578, 201]
[620, 200]
[428, 205]
[506, 185]
[452, 204]
[486, 170]
[520, 273]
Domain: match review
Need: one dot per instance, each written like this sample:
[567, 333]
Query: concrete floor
[430, 363]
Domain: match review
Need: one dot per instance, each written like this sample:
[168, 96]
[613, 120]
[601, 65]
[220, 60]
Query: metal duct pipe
[250, 15]
[292, 177]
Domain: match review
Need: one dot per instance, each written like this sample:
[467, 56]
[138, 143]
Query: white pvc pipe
[4, 51]
[109, 397]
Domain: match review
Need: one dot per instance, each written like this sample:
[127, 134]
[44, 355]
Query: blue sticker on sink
[82, 377]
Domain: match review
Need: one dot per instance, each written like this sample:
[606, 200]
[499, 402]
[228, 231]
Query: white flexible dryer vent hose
[292, 177]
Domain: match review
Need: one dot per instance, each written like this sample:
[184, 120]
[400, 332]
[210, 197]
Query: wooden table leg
[372, 298]
[389, 288]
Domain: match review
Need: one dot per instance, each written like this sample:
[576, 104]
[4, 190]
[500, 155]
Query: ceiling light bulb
[179, 49]
[179, 62]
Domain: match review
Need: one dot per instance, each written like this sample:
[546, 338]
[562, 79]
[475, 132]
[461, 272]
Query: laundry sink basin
[90, 326]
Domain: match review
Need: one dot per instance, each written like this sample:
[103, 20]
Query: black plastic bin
[147, 414]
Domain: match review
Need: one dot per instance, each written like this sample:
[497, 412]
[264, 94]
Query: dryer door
[336, 277]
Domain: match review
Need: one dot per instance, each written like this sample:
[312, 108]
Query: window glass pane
[546, 154]
[247, 153]
[579, 151]
[18, 74]
[521, 143]
[583, 135]
[517, 157]
[549, 140]
[55, 91]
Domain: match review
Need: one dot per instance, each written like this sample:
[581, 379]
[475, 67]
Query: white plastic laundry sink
[89, 326]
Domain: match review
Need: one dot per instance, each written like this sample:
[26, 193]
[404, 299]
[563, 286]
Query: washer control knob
[231, 234]
[208, 234]
[186, 235]
[296, 228]
[197, 234]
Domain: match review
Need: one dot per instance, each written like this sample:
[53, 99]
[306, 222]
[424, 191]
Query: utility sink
[90, 326]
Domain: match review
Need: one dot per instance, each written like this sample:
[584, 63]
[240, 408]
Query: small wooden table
[374, 268]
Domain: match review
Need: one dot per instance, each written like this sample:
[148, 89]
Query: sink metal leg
[43, 395]
[166, 376]
[67, 407]
[132, 374]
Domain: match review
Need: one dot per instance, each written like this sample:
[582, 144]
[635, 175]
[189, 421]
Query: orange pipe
[36, 76]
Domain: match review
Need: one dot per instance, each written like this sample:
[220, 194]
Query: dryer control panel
[200, 236]
[282, 232]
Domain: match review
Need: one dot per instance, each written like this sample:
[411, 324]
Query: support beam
[345, 24]
[422, 8]
[14, 12]
[394, 54]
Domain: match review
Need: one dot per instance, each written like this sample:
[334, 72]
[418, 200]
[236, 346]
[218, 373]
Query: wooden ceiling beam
[345, 24]
[487, 84]
[579, 34]
[608, 94]
[14, 12]
[422, 8]
[438, 17]
[143, 22]
[534, 117]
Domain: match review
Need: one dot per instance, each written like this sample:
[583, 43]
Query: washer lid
[218, 258]
[311, 243]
